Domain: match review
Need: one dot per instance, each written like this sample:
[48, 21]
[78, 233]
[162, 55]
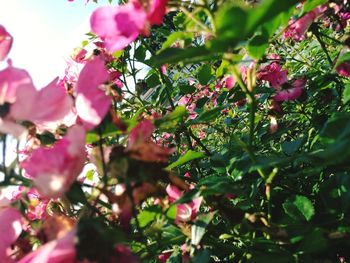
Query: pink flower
[38, 204]
[10, 229]
[184, 212]
[141, 133]
[157, 11]
[50, 104]
[274, 74]
[11, 79]
[292, 91]
[55, 251]
[5, 43]
[118, 26]
[79, 55]
[54, 169]
[92, 103]
[297, 28]
[344, 69]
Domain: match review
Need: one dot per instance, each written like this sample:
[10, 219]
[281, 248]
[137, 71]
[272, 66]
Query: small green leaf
[299, 208]
[148, 215]
[311, 4]
[189, 156]
[199, 227]
[204, 74]
[257, 46]
[346, 93]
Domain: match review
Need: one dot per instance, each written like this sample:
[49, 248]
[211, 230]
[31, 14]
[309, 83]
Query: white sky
[45, 32]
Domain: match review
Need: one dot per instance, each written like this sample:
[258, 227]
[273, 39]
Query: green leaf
[148, 215]
[199, 227]
[204, 74]
[299, 208]
[314, 242]
[187, 89]
[290, 148]
[267, 11]
[186, 56]
[209, 115]
[311, 4]
[171, 120]
[343, 58]
[140, 53]
[346, 93]
[175, 36]
[189, 156]
[257, 46]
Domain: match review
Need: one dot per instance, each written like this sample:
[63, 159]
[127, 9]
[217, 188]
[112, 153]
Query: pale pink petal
[10, 79]
[118, 26]
[49, 104]
[291, 93]
[10, 127]
[54, 169]
[173, 192]
[92, 103]
[5, 43]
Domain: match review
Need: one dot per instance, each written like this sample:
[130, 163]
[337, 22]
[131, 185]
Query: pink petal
[56, 251]
[141, 132]
[92, 103]
[10, 127]
[10, 229]
[5, 43]
[157, 12]
[54, 169]
[173, 192]
[344, 69]
[10, 79]
[49, 104]
[118, 26]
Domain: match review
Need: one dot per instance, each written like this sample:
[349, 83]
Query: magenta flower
[54, 169]
[10, 229]
[344, 69]
[157, 11]
[37, 205]
[290, 91]
[118, 26]
[184, 212]
[5, 43]
[274, 74]
[297, 28]
[92, 103]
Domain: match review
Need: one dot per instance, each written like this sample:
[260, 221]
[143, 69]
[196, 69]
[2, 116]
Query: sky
[45, 32]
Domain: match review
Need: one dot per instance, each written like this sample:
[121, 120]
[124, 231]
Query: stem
[104, 167]
[323, 46]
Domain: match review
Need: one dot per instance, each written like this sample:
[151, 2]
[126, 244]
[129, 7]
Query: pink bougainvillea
[92, 102]
[54, 169]
[118, 26]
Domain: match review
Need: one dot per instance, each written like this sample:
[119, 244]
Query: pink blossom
[10, 229]
[55, 251]
[344, 69]
[142, 132]
[5, 43]
[50, 104]
[292, 91]
[37, 205]
[157, 11]
[92, 103]
[54, 169]
[118, 26]
[184, 212]
[297, 28]
[274, 74]
[11, 79]
[79, 55]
